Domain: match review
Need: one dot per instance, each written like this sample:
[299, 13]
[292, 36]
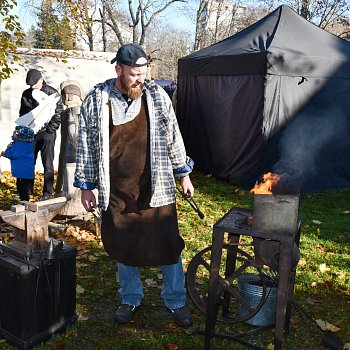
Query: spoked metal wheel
[235, 262]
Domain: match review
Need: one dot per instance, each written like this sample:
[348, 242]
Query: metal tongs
[96, 212]
[192, 203]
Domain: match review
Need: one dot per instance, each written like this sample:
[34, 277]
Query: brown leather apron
[133, 233]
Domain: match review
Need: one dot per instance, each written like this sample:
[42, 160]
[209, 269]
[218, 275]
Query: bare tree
[219, 19]
[165, 47]
[323, 13]
[141, 14]
[200, 24]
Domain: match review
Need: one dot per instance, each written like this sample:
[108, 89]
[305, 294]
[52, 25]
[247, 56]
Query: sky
[177, 18]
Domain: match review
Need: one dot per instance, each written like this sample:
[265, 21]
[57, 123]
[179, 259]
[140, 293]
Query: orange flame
[265, 187]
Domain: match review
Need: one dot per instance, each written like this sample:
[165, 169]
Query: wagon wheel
[236, 262]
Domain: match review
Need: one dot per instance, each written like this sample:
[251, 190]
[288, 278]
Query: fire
[265, 187]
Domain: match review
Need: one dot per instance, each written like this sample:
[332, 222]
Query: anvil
[30, 220]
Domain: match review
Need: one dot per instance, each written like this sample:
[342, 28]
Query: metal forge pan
[276, 212]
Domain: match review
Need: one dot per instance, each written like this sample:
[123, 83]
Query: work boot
[182, 316]
[124, 314]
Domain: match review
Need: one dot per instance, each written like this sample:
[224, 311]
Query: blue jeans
[173, 291]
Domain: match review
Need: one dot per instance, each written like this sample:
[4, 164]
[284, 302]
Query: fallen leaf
[80, 289]
[80, 265]
[326, 326]
[323, 268]
[328, 283]
[150, 282]
[302, 262]
[341, 275]
[312, 301]
[82, 318]
[317, 222]
[92, 258]
[294, 321]
[171, 346]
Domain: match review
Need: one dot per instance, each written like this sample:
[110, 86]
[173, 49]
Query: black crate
[38, 298]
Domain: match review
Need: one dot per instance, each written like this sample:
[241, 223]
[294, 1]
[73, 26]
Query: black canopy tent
[273, 97]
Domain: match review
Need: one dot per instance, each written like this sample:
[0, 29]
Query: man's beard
[133, 92]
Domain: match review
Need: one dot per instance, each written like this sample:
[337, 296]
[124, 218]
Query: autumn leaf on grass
[294, 321]
[80, 289]
[92, 258]
[311, 301]
[171, 346]
[323, 268]
[317, 222]
[302, 262]
[326, 326]
[79, 265]
[82, 318]
[72, 231]
[150, 282]
[101, 254]
[79, 312]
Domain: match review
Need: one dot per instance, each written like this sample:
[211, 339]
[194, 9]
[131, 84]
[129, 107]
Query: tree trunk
[304, 9]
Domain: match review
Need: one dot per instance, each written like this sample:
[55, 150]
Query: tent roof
[282, 43]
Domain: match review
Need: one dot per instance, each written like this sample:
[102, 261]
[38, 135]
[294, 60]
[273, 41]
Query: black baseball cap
[131, 55]
[33, 76]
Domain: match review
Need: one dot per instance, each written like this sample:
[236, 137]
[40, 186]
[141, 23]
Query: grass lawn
[322, 283]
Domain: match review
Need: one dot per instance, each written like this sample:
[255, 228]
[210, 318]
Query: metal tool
[192, 203]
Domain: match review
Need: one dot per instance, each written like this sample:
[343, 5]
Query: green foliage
[11, 38]
[53, 32]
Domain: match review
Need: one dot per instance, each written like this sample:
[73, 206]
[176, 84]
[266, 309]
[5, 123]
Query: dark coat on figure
[28, 103]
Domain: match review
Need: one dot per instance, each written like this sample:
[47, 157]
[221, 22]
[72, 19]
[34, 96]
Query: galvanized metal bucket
[252, 291]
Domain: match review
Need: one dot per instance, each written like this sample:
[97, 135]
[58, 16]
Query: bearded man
[130, 149]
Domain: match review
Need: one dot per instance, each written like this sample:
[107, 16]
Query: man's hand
[88, 200]
[187, 187]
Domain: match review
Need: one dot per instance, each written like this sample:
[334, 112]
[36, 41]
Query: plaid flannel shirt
[167, 152]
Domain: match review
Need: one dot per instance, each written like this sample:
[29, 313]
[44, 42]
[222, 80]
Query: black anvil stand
[37, 273]
[286, 274]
